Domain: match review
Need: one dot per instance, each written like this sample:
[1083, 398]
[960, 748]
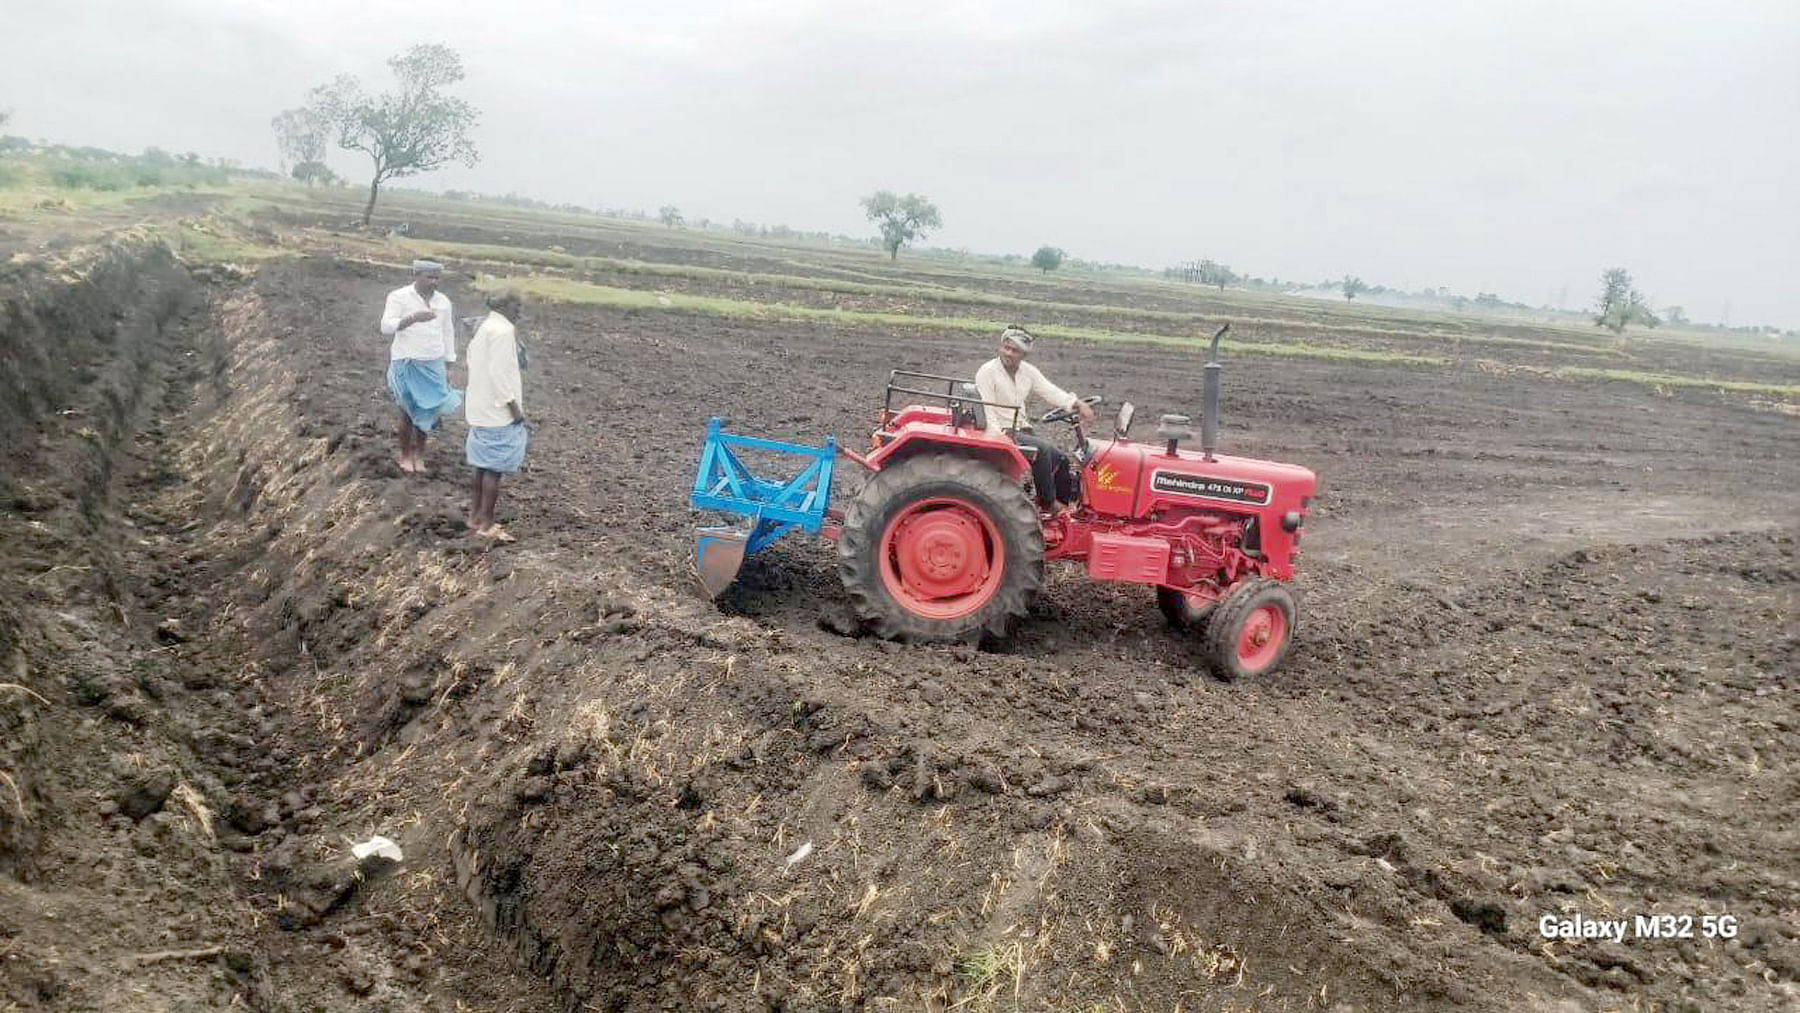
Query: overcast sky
[1512, 146]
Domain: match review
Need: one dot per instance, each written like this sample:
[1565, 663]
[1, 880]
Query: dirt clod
[144, 795]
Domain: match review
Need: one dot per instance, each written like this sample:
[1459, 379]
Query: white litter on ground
[377, 845]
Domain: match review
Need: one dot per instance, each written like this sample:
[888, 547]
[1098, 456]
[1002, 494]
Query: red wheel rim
[1260, 638]
[942, 558]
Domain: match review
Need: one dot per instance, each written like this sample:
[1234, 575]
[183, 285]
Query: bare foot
[406, 465]
[497, 533]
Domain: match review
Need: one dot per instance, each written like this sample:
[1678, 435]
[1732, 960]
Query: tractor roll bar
[956, 401]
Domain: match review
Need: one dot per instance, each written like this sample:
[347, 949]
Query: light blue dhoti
[498, 448]
[422, 389]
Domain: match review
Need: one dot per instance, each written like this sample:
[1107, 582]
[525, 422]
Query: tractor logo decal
[1205, 487]
[1107, 479]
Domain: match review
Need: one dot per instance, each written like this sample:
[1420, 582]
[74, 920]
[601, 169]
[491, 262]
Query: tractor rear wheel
[940, 547]
[1249, 632]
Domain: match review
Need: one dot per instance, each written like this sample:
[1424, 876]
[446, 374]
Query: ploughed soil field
[1545, 671]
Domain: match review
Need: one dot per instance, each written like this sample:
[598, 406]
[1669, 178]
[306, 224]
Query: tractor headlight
[1290, 521]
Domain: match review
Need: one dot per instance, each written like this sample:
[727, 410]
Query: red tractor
[945, 541]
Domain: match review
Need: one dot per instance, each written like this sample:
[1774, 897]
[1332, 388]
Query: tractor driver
[1007, 379]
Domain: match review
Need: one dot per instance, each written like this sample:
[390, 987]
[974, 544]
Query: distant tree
[314, 174]
[669, 215]
[1676, 315]
[1212, 272]
[1047, 259]
[902, 219]
[1352, 286]
[5, 116]
[413, 130]
[300, 137]
[1619, 304]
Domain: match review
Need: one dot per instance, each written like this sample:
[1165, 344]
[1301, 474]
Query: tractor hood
[1235, 479]
[1135, 479]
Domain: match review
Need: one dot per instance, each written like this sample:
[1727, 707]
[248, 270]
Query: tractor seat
[973, 414]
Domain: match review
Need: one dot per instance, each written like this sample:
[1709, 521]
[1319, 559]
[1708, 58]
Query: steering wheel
[1064, 414]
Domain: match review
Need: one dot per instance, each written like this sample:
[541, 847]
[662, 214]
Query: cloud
[1515, 148]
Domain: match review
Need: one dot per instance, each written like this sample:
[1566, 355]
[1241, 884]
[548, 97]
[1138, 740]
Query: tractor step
[770, 509]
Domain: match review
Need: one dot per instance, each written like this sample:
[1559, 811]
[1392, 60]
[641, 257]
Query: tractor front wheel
[1249, 632]
[1184, 611]
[940, 547]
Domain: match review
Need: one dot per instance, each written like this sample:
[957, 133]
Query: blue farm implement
[769, 509]
[943, 540]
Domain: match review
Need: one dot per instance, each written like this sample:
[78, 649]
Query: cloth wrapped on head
[426, 266]
[1018, 337]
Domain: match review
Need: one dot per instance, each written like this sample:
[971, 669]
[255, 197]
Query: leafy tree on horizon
[406, 132]
[1047, 258]
[314, 173]
[300, 137]
[1217, 274]
[669, 215]
[902, 219]
[1619, 304]
[1352, 286]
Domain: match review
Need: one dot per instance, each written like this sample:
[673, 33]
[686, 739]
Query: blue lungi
[498, 448]
[423, 391]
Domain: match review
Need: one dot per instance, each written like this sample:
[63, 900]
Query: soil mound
[260, 643]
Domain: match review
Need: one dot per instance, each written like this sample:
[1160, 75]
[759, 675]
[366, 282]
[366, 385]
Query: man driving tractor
[1008, 380]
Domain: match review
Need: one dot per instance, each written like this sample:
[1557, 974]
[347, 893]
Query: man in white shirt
[1008, 380]
[418, 318]
[496, 412]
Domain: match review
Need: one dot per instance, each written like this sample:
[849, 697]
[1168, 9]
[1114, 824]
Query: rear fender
[926, 438]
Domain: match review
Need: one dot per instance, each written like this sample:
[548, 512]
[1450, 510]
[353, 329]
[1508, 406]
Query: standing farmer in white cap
[1007, 379]
[418, 318]
[496, 412]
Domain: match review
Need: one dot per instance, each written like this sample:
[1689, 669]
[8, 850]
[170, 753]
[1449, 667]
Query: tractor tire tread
[1219, 639]
[858, 553]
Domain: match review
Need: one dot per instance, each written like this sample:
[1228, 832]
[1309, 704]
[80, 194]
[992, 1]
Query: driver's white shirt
[1014, 390]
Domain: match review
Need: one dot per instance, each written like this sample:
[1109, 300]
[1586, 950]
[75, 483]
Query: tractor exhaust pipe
[1209, 408]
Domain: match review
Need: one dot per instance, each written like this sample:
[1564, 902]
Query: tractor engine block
[1206, 551]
